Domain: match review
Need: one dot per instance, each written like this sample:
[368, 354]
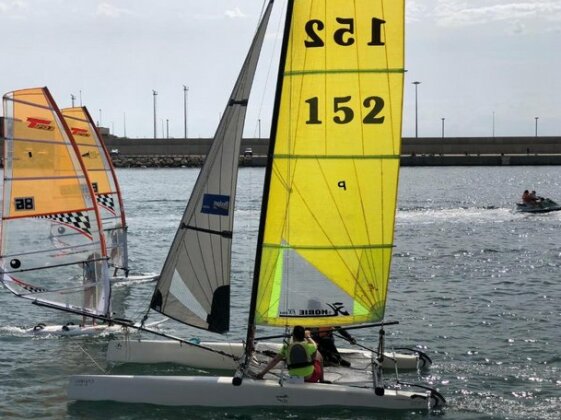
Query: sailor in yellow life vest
[302, 357]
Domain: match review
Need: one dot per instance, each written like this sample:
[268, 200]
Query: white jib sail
[194, 286]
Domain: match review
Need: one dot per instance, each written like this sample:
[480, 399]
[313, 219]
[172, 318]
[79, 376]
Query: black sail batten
[194, 285]
[224, 233]
[268, 174]
[242, 102]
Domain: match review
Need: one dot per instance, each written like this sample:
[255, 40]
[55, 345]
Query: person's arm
[345, 334]
[269, 366]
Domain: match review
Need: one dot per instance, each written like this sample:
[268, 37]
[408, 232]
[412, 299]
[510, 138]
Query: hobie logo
[335, 309]
[40, 124]
[216, 204]
[79, 132]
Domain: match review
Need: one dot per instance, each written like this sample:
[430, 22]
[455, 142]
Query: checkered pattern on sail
[77, 220]
[106, 201]
[32, 289]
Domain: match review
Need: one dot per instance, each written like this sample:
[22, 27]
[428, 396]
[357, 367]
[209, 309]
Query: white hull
[73, 330]
[207, 391]
[159, 351]
[134, 279]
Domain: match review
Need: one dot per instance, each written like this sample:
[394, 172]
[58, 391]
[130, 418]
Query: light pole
[416, 115]
[259, 126]
[154, 94]
[185, 93]
[167, 128]
[536, 118]
[100, 117]
[72, 97]
[443, 126]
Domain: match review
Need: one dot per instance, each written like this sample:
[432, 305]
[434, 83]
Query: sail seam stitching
[342, 71]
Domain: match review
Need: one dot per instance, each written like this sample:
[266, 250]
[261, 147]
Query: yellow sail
[327, 233]
[104, 182]
[52, 250]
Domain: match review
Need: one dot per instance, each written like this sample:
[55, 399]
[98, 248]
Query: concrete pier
[424, 151]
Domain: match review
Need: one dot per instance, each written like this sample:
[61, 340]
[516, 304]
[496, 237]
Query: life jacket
[297, 356]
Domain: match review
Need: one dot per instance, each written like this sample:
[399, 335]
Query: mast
[268, 171]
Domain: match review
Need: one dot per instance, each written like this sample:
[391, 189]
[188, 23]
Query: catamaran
[194, 286]
[46, 190]
[327, 221]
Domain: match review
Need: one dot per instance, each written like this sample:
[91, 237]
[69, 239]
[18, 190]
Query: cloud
[455, 13]
[13, 8]
[108, 10]
[236, 13]
[232, 14]
[415, 11]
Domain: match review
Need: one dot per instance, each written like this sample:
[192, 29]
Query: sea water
[473, 283]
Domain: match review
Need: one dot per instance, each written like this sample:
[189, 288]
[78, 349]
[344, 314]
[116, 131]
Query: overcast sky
[474, 59]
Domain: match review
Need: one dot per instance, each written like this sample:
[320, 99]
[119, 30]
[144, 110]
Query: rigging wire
[92, 359]
[265, 91]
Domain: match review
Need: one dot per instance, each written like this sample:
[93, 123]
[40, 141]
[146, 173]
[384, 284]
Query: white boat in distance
[326, 229]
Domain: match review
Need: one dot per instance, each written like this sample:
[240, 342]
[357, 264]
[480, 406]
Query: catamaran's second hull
[209, 391]
[168, 351]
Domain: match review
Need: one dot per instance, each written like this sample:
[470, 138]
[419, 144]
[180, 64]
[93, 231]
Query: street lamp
[416, 115]
[443, 126]
[167, 128]
[185, 92]
[536, 118]
[259, 125]
[154, 94]
[72, 97]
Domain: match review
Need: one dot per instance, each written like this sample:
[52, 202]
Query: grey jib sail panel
[194, 284]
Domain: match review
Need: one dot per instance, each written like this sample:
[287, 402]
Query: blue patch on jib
[216, 204]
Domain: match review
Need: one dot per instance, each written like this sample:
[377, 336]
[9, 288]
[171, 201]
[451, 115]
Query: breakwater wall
[173, 161]
[410, 146]
[424, 151]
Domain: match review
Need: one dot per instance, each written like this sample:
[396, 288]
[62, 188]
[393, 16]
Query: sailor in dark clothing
[325, 340]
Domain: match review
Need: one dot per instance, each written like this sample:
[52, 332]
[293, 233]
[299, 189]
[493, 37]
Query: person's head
[534, 191]
[525, 191]
[298, 333]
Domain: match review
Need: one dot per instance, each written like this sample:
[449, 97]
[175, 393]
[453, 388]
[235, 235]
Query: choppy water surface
[473, 283]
